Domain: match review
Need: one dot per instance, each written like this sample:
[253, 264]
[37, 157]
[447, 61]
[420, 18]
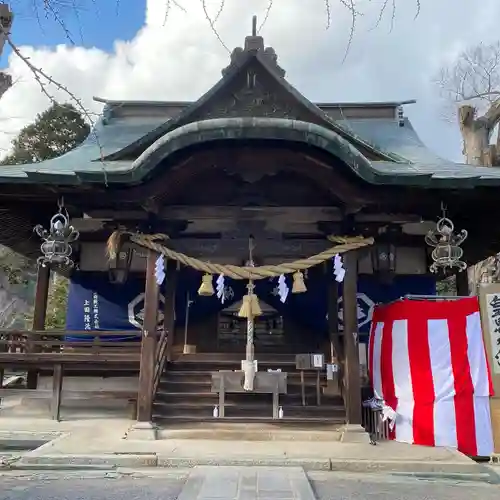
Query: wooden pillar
[39, 315]
[351, 351]
[149, 342]
[462, 283]
[171, 275]
[333, 314]
[57, 381]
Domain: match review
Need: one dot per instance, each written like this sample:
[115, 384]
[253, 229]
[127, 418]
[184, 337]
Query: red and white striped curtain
[428, 362]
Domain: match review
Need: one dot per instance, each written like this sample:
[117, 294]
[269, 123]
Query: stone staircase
[184, 395]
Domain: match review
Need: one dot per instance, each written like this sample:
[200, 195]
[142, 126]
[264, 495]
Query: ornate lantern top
[447, 253]
[56, 247]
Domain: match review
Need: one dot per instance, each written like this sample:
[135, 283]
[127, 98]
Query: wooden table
[225, 381]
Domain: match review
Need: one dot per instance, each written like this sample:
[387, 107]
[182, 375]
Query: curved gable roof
[187, 115]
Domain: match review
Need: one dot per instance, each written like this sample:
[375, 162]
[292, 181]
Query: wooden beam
[39, 315]
[351, 364]
[299, 214]
[149, 341]
[169, 308]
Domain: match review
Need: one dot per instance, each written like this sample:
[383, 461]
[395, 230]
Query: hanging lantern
[119, 267]
[447, 253]
[56, 247]
[383, 257]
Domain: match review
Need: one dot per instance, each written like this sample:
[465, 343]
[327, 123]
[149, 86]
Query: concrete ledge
[29, 435]
[54, 467]
[148, 460]
[143, 431]
[405, 466]
[111, 460]
[354, 434]
[189, 462]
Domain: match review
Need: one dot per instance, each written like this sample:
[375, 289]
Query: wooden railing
[63, 346]
[56, 350]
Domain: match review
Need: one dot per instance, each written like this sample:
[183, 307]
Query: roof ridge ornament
[254, 43]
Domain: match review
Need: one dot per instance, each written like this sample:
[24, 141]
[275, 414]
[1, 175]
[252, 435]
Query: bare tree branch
[266, 15]
[212, 25]
[168, 6]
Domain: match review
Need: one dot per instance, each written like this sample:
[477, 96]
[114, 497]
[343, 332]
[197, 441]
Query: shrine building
[166, 196]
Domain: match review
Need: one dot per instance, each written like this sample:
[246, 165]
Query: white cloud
[183, 58]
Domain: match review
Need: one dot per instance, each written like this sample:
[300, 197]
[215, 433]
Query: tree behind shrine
[56, 131]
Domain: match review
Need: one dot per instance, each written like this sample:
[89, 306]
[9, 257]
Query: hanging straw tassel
[206, 288]
[113, 244]
[298, 283]
[254, 301]
[246, 307]
[250, 307]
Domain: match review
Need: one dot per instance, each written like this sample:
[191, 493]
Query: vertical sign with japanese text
[95, 310]
[493, 314]
[86, 315]
[489, 301]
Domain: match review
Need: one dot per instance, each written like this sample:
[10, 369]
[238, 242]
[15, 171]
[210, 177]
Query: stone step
[219, 429]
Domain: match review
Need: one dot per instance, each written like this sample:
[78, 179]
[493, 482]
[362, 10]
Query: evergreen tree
[56, 131]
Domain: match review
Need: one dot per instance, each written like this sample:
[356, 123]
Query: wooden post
[39, 315]
[333, 315]
[352, 374]
[57, 382]
[169, 309]
[302, 387]
[462, 284]
[149, 342]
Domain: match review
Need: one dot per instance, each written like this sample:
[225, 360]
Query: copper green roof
[131, 144]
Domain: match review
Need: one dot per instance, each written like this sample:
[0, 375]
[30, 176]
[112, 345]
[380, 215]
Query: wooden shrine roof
[251, 102]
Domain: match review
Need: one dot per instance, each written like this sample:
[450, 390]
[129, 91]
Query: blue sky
[97, 23]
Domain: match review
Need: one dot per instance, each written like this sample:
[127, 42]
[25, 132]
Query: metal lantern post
[56, 247]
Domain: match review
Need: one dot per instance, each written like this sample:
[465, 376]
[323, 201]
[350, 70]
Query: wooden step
[184, 394]
[243, 398]
[202, 376]
[251, 410]
[282, 422]
[222, 357]
[194, 366]
[206, 386]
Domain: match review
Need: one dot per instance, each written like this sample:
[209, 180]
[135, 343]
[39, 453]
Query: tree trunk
[475, 134]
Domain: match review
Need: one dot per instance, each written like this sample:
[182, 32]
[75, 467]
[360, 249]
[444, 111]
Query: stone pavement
[247, 483]
[99, 442]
